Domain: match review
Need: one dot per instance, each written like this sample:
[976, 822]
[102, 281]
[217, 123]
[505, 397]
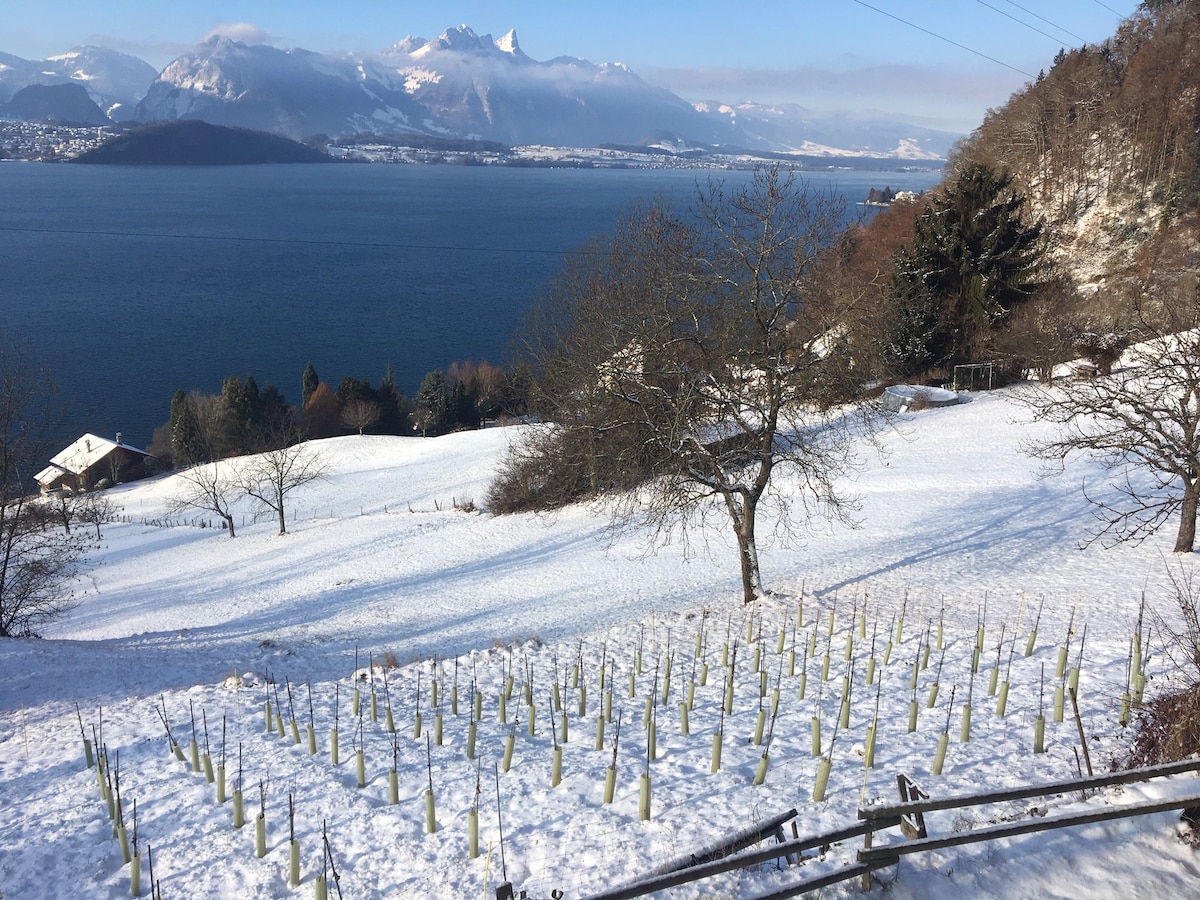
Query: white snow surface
[957, 526]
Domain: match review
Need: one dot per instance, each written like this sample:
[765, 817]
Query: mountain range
[458, 85]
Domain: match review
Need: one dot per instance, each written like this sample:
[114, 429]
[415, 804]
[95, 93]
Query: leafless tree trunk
[684, 353]
[209, 487]
[272, 477]
[1143, 422]
[96, 509]
[360, 414]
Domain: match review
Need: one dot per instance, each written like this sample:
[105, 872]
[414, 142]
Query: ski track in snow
[378, 558]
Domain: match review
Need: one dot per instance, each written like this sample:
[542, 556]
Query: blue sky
[823, 54]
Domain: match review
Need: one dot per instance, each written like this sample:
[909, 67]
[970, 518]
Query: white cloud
[242, 32]
[955, 101]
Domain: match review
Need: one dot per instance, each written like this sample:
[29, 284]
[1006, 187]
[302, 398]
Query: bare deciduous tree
[38, 559]
[1143, 422]
[96, 509]
[359, 413]
[685, 352]
[272, 477]
[209, 487]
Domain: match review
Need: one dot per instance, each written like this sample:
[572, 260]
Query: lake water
[129, 283]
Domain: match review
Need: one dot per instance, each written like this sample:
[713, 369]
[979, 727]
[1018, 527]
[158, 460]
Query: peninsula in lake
[194, 143]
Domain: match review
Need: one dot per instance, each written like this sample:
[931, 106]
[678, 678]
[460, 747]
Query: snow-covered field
[380, 559]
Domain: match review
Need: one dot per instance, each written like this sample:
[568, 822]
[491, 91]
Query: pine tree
[187, 443]
[432, 402]
[974, 258]
[308, 384]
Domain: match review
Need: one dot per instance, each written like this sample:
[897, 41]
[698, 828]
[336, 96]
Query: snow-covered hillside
[383, 557]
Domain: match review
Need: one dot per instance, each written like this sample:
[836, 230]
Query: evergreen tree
[972, 261]
[308, 383]
[432, 402]
[235, 417]
[392, 405]
[187, 442]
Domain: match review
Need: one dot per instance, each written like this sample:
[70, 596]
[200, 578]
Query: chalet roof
[81, 456]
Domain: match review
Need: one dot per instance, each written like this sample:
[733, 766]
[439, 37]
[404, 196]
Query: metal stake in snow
[500, 824]
[194, 745]
[87, 745]
[337, 879]
[1039, 725]
[221, 765]
[1002, 699]
[162, 715]
[333, 735]
[430, 817]
[1036, 621]
[207, 758]
[293, 845]
[939, 757]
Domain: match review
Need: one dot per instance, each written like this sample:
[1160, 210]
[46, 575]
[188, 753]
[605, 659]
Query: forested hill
[195, 143]
[1106, 147]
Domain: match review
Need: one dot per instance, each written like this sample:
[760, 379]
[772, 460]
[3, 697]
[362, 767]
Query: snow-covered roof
[50, 474]
[82, 455]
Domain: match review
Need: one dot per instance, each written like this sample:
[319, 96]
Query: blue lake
[129, 283]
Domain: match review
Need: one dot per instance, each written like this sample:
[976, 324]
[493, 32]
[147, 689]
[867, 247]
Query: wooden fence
[909, 816]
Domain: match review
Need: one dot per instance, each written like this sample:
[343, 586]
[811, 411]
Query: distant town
[50, 142]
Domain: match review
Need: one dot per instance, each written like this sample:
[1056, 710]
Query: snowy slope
[378, 558]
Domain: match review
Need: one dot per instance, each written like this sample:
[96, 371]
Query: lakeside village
[50, 142]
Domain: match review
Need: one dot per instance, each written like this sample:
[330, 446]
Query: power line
[1111, 10]
[999, 11]
[1047, 21]
[942, 37]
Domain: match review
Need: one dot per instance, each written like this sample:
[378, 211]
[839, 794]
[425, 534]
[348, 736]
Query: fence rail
[1127, 776]
[888, 815]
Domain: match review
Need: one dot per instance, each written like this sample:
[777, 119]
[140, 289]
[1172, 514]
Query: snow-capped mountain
[459, 84]
[115, 81]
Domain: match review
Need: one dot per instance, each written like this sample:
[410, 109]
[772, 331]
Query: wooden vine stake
[430, 813]
[393, 773]
[1039, 724]
[312, 725]
[260, 822]
[939, 756]
[1029, 645]
[135, 861]
[357, 701]
[239, 817]
[162, 715]
[279, 724]
[87, 744]
[333, 732]
[1002, 697]
[994, 678]
[293, 845]
[610, 774]
[556, 755]
[221, 766]
[292, 712]
[473, 815]
[206, 758]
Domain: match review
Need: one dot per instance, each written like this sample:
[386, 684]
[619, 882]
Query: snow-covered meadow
[385, 558]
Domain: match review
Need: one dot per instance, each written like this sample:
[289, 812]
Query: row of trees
[244, 419]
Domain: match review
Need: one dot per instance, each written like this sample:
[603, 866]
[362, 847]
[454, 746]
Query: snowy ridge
[384, 555]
